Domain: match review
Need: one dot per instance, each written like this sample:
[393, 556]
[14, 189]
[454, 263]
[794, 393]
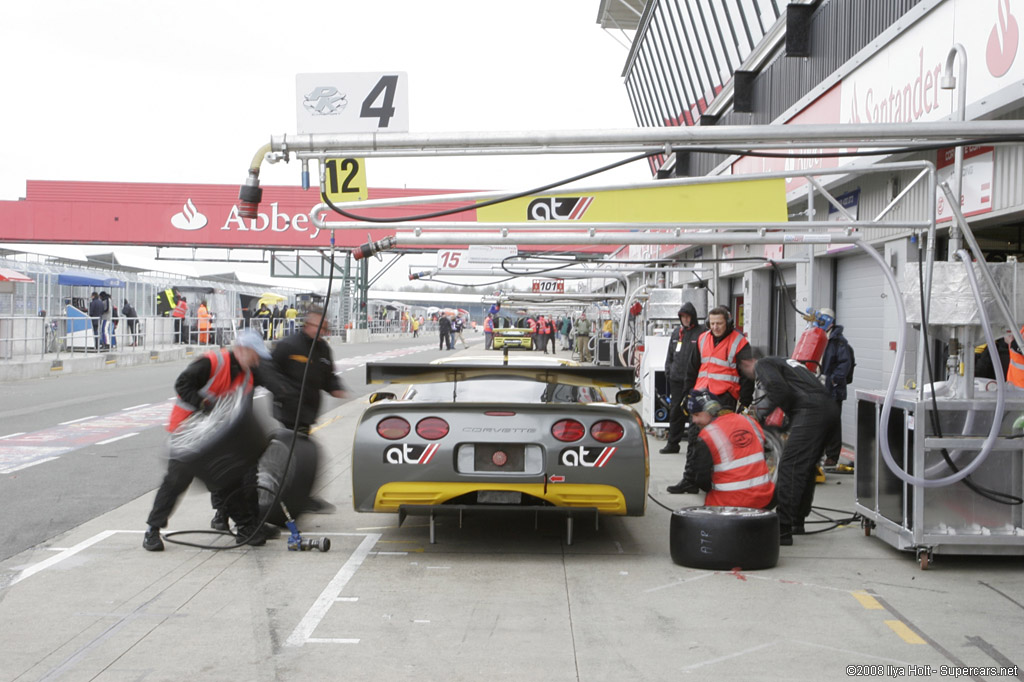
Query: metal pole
[948, 82]
[635, 140]
[568, 238]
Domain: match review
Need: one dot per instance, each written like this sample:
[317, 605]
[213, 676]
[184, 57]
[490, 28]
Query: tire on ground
[296, 484]
[724, 538]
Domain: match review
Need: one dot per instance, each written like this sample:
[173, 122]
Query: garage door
[859, 308]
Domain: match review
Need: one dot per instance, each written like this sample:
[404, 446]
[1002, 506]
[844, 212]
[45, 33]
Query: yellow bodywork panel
[607, 499]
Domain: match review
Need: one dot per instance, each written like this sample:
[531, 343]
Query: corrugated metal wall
[839, 29]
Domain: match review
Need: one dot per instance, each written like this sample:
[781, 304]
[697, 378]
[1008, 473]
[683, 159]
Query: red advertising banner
[187, 215]
[150, 214]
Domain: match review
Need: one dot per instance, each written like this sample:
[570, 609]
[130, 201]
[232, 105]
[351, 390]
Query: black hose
[994, 495]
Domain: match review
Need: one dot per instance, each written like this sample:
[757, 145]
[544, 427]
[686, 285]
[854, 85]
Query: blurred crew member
[209, 378]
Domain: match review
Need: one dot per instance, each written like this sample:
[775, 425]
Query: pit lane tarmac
[498, 598]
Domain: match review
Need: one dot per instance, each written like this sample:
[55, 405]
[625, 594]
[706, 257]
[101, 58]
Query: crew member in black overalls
[291, 355]
[814, 420]
[682, 362]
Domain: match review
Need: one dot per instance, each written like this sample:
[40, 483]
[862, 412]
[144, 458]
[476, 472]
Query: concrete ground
[495, 599]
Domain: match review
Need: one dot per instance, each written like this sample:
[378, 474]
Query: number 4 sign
[352, 102]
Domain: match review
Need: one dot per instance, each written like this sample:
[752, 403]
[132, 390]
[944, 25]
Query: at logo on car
[403, 453]
[583, 456]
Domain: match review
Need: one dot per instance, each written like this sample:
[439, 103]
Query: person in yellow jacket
[290, 316]
[203, 314]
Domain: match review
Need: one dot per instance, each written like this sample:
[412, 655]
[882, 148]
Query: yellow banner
[722, 202]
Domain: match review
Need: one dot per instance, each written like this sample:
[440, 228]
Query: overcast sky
[137, 91]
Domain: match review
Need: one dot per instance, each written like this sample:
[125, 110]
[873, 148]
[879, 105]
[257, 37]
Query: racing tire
[296, 484]
[774, 443]
[724, 538]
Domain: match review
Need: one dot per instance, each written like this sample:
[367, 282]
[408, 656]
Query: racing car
[529, 435]
[509, 334]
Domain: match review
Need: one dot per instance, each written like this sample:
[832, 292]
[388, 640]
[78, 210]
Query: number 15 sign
[352, 102]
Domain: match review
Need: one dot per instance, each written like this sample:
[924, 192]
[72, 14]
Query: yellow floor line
[866, 600]
[905, 633]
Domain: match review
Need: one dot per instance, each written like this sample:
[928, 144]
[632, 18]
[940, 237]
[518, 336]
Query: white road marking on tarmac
[75, 421]
[676, 583]
[27, 465]
[116, 438]
[134, 407]
[66, 554]
[726, 658]
[12, 435]
[303, 631]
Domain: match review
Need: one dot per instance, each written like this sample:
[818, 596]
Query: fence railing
[28, 338]
[36, 338]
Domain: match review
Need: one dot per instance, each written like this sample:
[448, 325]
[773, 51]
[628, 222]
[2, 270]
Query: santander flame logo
[189, 218]
[1002, 41]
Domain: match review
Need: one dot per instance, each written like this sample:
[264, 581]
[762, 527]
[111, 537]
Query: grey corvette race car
[478, 432]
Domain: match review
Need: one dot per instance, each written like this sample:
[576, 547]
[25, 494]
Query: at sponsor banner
[740, 201]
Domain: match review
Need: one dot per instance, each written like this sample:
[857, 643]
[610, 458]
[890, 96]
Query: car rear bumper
[606, 499]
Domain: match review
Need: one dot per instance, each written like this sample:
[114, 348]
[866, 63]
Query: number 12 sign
[352, 102]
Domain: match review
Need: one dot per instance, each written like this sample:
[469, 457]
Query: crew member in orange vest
[204, 323]
[728, 457]
[1015, 372]
[544, 333]
[206, 380]
[488, 332]
[722, 351]
[179, 319]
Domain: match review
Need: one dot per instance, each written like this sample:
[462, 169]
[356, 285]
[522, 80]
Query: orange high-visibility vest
[179, 310]
[488, 325]
[220, 384]
[740, 476]
[204, 318]
[718, 373]
[1015, 372]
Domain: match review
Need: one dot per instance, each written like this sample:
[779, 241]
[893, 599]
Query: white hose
[897, 370]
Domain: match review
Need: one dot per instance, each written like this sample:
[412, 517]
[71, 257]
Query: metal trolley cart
[953, 519]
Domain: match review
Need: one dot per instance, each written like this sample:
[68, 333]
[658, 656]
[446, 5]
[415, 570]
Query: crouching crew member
[208, 379]
[814, 420]
[727, 460]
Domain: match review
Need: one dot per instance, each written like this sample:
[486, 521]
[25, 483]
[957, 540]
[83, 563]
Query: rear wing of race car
[399, 373]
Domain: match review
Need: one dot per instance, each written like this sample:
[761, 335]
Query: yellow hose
[257, 160]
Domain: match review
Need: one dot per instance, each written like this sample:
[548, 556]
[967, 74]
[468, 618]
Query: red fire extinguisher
[810, 348]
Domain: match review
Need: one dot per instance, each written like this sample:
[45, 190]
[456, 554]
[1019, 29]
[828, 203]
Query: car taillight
[568, 430]
[606, 431]
[393, 428]
[432, 428]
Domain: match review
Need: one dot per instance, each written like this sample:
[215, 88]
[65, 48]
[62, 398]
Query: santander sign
[900, 82]
[1003, 40]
